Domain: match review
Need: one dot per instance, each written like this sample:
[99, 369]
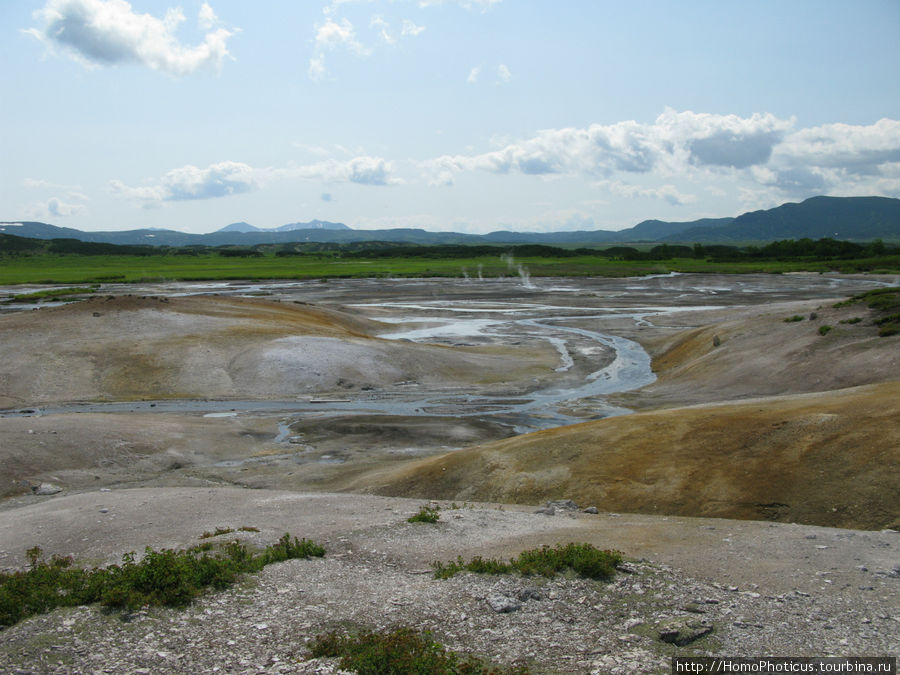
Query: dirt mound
[220, 347]
[786, 348]
[824, 459]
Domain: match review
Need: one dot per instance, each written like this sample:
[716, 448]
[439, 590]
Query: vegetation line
[401, 650]
[584, 560]
[25, 260]
[167, 577]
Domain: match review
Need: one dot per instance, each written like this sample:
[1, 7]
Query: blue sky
[466, 115]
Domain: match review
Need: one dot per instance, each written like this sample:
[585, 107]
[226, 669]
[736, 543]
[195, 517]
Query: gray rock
[46, 489]
[502, 604]
[683, 630]
[563, 505]
[546, 510]
[527, 594]
[591, 509]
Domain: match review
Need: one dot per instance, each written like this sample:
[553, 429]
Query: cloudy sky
[466, 115]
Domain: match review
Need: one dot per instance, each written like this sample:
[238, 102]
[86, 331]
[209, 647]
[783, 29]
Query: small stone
[684, 630]
[527, 594]
[502, 604]
[46, 489]
[546, 510]
[591, 509]
[563, 505]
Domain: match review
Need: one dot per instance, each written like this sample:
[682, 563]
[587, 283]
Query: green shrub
[584, 560]
[854, 320]
[167, 577]
[824, 329]
[402, 651]
[791, 319]
[426, 514]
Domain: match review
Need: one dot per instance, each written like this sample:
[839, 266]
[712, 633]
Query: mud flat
[661, 401]
[346, 385]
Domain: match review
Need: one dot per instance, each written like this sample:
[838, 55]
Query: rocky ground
[685, 588]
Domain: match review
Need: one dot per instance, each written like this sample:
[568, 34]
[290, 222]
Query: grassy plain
[77, 269]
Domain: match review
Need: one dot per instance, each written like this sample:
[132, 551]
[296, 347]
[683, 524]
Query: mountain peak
[240, 227]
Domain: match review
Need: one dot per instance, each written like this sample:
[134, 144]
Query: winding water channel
[454, 312]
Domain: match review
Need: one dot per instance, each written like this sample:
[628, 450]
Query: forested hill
[844, 218]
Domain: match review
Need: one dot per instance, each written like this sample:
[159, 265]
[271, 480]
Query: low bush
[426, 514]
[584, 560]
[167, 577]
[824, 329]
[791, 319]
[402, 651]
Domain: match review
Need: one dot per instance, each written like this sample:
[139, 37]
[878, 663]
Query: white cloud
[666, 192]
[207, 18]
[410, 29]
[675, 142]
[760, 153]
[383, 27]
[857, 149]
[57, 208]
[364, 170]
[483, 5]
[333, 34]
[504, 73]
[190, 182]
[109, 32]
[473, 75]
[317, 69]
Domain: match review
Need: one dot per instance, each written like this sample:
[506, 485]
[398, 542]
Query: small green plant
[885, 302]
[854, 320]
[426, 514]
[400, 651]
[219, 531]
[584, 560]
[791, 319]
[824, 329]
[167, 577]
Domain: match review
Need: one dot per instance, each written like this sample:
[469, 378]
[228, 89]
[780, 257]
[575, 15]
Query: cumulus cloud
[110, 32]
[333, 34]
[54, 207]
[207, 17]
[473, 75]
[758, 150]
[504, 73]
[364, 170]
[674, 142]
[857, 149]
[228, 178]
[190, 182]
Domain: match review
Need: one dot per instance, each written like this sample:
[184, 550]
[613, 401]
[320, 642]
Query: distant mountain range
[857, 218]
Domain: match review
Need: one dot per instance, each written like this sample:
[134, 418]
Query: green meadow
[78, 269]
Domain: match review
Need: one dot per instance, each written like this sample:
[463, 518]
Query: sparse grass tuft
[584, 560]
[167, 577]
[791, 319]
[886, 303]
[400, 651]
[426, 514]
[824, 329]
[219, 531]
